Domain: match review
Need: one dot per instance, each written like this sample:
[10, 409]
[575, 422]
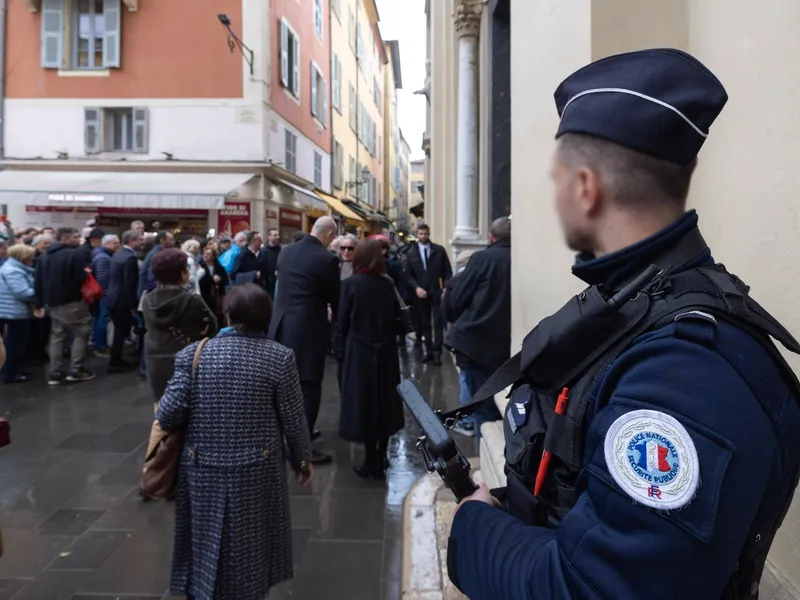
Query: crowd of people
[273, 316]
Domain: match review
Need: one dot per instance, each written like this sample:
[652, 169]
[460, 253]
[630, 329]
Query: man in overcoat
[308, 283]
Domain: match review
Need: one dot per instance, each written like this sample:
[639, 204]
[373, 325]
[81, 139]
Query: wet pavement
[75, 527]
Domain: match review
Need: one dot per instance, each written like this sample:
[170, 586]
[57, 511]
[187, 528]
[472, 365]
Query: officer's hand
[482, 494]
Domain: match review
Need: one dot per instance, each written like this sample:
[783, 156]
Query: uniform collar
[614, 268]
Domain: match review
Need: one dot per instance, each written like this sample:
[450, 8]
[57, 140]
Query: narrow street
[75, 527]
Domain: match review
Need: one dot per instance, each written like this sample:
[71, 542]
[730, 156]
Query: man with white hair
[228, 258]
[101, 265]
[308, 282]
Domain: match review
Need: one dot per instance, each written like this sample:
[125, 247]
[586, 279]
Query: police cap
[659, 102]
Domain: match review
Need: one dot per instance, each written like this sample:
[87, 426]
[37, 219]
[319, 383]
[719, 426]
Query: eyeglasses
[346, 248]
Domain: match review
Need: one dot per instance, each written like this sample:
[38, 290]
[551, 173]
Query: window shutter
[336, 85]
[141, 130]
[92, 130]
[296, 66]
[314, 90]
[52, 33]
[284, 54]
[112, 14]
[324, 102]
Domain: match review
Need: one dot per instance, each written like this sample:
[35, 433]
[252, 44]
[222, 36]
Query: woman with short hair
[369, 320]
[192, 250]
[213, 281]
[16, 309]
[174, 317]
[233, 535]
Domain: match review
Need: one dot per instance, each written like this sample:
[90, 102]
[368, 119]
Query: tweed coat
[232, 528]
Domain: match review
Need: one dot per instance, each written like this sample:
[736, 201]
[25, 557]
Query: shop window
[319, 95]
[291, 152]
[317, 169]
[81, 34]
[116, 130]
[290, 59]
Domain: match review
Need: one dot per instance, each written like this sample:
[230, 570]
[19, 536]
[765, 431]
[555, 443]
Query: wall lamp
[234, 41]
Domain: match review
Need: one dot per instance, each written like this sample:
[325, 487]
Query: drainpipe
[3, 38]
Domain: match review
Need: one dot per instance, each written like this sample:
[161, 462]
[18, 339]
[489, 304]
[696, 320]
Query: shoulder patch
[653, 459]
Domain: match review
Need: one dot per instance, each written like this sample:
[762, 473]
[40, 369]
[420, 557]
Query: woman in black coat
[214, 282]
[369, 315]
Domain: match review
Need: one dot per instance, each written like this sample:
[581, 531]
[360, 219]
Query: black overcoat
[308, 281]
[365, 340]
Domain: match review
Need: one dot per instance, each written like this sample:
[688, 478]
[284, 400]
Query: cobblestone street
[75, 527]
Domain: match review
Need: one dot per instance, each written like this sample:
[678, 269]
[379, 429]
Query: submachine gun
[438, 447]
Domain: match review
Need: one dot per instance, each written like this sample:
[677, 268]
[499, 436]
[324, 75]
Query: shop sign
[91, 198]
[291, 218]
[234, 218]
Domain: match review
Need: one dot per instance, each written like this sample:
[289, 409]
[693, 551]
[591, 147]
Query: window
[336, 6]
[338, 165]
[359, 47]
[378, 148]
[336, 92]
[351, 32]
[81, 34]
[318, 18]
[417, 167]
[290, 59]
[374, 192]
[373, 137]
[317, 169]
[352, 108]
[116, 130]
[376, 93]
[319, 95]
[352, 180]
[291, 152]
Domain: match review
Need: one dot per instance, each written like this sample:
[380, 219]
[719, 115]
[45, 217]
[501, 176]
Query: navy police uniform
[681, 457]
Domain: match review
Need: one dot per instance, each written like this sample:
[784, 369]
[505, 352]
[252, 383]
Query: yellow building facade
[395, 196]
[358, 60]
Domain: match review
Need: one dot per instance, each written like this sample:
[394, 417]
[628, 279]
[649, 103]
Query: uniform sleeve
[610, 545]
[173, 408]
[292, 414]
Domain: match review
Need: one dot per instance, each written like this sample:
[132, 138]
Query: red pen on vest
[544, 464]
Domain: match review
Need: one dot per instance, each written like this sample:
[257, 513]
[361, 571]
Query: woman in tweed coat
[232, 530]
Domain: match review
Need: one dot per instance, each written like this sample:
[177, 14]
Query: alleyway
[76, 529]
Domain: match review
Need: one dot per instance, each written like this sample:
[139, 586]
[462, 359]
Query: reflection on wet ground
[75, 528]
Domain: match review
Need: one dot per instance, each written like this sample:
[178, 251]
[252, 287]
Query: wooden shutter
[284, 53]
[112, 15]
[52, 33]
[324, 101]
[92, 130]
[335, 83]
[314, 91]
[296, 66]
[141, 131]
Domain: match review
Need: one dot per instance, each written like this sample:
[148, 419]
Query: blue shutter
[52, 33]
[112, 15]
[92, 130]
[314, 90]
[141, 130]
[284, 54]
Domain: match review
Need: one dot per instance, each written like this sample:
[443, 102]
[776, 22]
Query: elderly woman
[233, 536]
[369, 316]
[347, 248]
[192, 250]
[174, 317]
[16, 309]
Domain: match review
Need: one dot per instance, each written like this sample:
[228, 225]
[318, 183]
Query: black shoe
[55, 378]
[315, 435]
[427, 357]
[437, 360]
[121, 367]
[320, 458]
[366, 472]
[80, 375]
[20, 378]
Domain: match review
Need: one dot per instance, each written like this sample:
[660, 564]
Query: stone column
[467, 22]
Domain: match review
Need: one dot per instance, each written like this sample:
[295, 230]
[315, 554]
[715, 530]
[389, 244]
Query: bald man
[308, 282]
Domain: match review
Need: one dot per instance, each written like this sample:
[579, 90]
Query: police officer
[675, 458]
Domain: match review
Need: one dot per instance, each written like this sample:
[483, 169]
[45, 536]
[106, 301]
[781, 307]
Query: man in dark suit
[308, 283]
[268, 260]
[428, 269]
[246, 267]
[123, 298]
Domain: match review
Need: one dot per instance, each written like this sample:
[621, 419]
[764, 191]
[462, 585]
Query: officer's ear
[588, 191]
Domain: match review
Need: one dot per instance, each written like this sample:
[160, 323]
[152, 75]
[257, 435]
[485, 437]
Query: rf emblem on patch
[653, 459]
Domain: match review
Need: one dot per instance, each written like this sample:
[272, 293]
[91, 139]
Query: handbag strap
[197, 353]
[397, 295]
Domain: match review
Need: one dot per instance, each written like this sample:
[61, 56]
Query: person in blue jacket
[681, 459]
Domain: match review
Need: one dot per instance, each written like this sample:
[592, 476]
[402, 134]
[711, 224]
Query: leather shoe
[320, 458]
[315, 435]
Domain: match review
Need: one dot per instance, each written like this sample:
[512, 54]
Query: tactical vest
[573, 347]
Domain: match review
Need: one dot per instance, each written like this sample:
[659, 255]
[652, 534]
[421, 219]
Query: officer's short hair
[631, 178]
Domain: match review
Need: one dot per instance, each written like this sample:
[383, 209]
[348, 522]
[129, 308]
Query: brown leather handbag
[164, 453]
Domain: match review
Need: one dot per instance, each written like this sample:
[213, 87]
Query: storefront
[290, 221]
